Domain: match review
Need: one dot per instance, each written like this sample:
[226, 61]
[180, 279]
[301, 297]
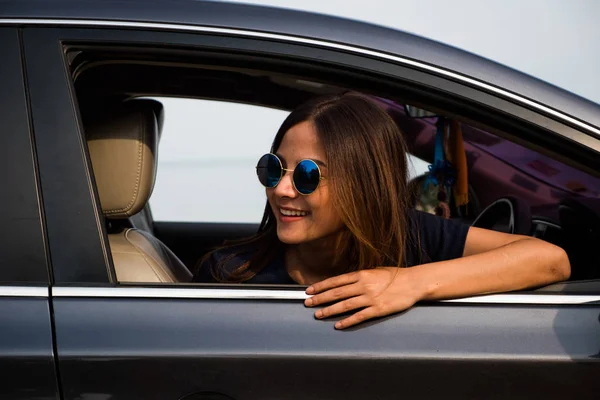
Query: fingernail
[338, 325]
[308, 302]
[319, 314]
[310, 290]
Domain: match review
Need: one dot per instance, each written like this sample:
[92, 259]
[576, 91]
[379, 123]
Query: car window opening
[515, 187]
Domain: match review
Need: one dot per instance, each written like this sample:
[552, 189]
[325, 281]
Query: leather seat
[123, 143]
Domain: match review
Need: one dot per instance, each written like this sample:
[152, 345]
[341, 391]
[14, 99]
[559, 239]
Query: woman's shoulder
[432, 238]
[223, 261]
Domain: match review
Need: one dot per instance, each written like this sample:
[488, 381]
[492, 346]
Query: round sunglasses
[306, 177]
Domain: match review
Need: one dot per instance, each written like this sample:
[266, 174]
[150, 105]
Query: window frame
[75, 238]
[23, 253]
[464, 95]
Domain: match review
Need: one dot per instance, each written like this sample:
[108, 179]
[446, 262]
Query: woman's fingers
[357, 318]
[374, 293]
[343, 306]
[336, 281]
[335, 294]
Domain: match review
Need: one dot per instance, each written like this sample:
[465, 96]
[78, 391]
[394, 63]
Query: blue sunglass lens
[269, 170]
[306, 177]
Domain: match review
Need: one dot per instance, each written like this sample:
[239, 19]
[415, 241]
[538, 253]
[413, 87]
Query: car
[95, 296]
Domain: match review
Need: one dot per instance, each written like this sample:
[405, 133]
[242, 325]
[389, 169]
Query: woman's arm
[492, 262]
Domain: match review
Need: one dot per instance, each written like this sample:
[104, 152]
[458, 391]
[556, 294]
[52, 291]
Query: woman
[337, 219]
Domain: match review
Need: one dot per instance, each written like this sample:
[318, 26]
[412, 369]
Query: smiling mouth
[292, 213]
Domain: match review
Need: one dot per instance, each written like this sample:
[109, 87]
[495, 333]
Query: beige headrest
[123, 144]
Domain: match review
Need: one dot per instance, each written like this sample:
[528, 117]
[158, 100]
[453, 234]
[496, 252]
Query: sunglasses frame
[284, 170]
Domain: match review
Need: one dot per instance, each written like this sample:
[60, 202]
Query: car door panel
[269, 348]
[26, 349]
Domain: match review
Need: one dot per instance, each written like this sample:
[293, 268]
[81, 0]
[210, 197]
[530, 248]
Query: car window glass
[207, 156]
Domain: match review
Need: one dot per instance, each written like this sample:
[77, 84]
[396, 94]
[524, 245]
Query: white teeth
[290, 213]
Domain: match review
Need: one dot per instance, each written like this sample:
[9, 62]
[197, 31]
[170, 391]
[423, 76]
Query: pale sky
[554, 40]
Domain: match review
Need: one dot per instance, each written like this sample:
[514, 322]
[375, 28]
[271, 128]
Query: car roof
[307, 25]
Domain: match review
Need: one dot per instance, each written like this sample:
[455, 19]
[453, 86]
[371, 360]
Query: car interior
[122, 142]
[514, 183]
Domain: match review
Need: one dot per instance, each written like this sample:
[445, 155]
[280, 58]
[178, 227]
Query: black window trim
[72, 221]
[23, 253]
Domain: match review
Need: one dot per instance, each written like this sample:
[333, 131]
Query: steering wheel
[511, 212]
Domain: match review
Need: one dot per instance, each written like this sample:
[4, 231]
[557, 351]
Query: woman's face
[302, 219]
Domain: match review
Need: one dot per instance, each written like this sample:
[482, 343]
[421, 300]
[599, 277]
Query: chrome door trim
[180, 293]
[314, 42]
[23, 291]
[283, 294]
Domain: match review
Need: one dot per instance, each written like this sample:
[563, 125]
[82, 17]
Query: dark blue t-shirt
[430, 239]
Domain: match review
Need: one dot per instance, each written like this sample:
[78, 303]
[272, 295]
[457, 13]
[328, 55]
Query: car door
[245, 342]
[26, 343]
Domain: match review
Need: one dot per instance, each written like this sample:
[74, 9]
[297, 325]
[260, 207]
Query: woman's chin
[290, 237]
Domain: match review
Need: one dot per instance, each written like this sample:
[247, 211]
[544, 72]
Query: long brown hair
[367, 176]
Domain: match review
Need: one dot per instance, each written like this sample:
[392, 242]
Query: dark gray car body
[68, 331]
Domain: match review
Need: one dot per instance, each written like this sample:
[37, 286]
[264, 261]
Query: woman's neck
[308, 263]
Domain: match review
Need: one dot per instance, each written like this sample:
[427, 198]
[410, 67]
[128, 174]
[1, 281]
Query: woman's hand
[379, 292]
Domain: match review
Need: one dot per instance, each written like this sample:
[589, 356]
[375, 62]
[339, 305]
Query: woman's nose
[285, 187]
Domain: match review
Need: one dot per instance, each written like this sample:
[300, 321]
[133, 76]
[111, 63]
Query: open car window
[206, 191]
